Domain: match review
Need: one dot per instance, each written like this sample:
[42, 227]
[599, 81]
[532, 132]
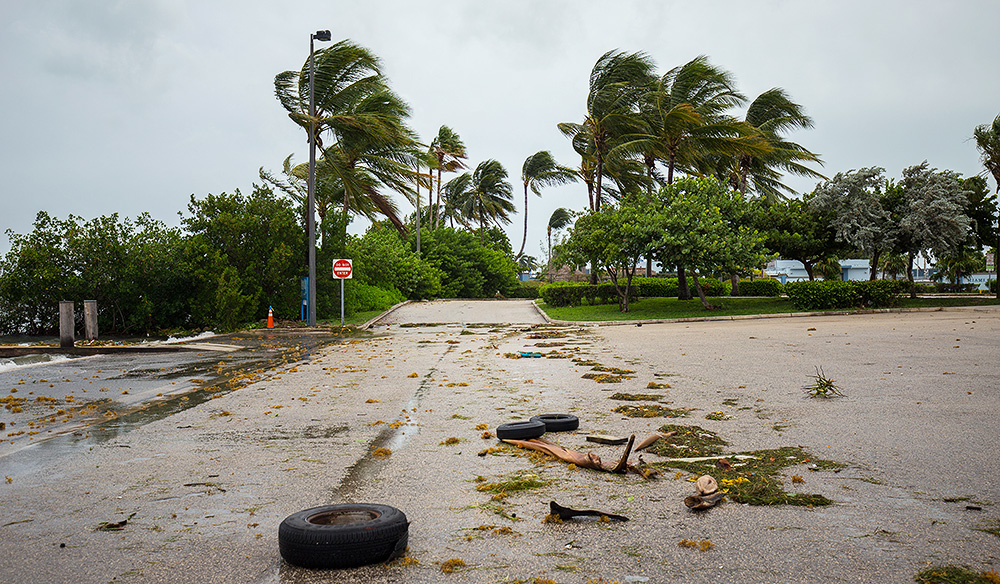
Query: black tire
[520, 430]
[558, 422]
[343, 536]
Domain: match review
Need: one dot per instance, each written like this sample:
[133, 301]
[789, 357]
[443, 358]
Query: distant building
[854, 270]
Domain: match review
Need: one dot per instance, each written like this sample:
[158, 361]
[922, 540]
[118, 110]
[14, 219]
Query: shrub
[712, 286]
[563, 293]
[838, 294]
[527, 289]
[655, 287]
[760, 288]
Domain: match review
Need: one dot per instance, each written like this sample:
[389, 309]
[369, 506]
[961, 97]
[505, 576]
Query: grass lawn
[667, 308]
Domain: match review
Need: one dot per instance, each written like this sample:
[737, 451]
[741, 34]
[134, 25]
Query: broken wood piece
[566, 513]
[584, 460]
[650, 440]
[622, 466]
[700, 502]
[604, 439]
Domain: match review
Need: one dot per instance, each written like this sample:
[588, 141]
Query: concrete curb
[375, 320]
[755, 316]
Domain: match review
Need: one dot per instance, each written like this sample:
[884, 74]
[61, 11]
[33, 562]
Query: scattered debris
[650, 440]
[527, 354]
[588, 460]
[651, 411]
[116, 526]
[636, 396]
[823, 387]
[604, 439]
[707, 494]
[565, 513]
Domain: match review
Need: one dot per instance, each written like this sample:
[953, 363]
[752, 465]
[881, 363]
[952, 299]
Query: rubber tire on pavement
[558, 422]
[520, 430]
[343, 536]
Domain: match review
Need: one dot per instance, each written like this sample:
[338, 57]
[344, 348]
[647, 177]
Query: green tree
[541, 170]
[470, 268]
[257, 236]
[798, 231]
[932, 219]
[987, 138]
[698, 222]
[861, 210]
[618, 236]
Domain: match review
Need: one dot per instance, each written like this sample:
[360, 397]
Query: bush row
[826, 294]
[573, 294]
[760, 288]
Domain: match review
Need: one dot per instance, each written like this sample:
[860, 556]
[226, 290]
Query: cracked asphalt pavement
[203, 488]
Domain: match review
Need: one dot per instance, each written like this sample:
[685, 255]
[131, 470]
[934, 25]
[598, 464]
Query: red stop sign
[342, 269]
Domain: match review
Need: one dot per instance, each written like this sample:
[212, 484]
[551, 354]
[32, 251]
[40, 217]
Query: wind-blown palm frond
[371, 148]
[988, 141]
[771, 115]
[617, 82]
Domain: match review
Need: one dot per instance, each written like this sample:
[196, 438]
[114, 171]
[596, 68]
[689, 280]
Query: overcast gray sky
[131, 106]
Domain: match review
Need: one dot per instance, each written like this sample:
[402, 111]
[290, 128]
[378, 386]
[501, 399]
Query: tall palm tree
[541, 170]
[559, 219]
[483, 197]
[446, 154]
[988, 141]
[371, 148]
[771, 115]
[617, 81]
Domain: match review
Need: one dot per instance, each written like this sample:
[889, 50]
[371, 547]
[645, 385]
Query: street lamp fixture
[319, 35]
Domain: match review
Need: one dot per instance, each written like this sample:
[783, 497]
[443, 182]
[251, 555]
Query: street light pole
[321, 35]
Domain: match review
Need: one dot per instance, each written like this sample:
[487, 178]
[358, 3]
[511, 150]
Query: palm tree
[685, 122]
[483, 197]
[771, 115]
[541, 170]
[988, 141]
[559, 219]
[617, 81]
[445, 154]
[372, 149]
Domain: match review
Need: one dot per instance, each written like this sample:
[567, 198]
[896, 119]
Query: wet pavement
[208, 485]
[57, 403]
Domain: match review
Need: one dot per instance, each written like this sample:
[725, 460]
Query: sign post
[343, 269]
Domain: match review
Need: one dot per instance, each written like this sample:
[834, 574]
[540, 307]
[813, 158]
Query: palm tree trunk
[524, 239]
[909, 274]
[437, 202]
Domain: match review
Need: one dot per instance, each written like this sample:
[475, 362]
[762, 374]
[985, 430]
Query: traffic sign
[343, 269]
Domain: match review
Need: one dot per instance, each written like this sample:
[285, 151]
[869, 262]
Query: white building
[794, 271]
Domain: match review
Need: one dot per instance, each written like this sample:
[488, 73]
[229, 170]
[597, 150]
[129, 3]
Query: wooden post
[90, 319]
[67, 325]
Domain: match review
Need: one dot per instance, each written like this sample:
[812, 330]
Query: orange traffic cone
[270, 317]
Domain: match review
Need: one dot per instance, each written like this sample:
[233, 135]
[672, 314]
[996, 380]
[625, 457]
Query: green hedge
[527, 289]
[827, 294]
[574, 294]
[760, 288]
